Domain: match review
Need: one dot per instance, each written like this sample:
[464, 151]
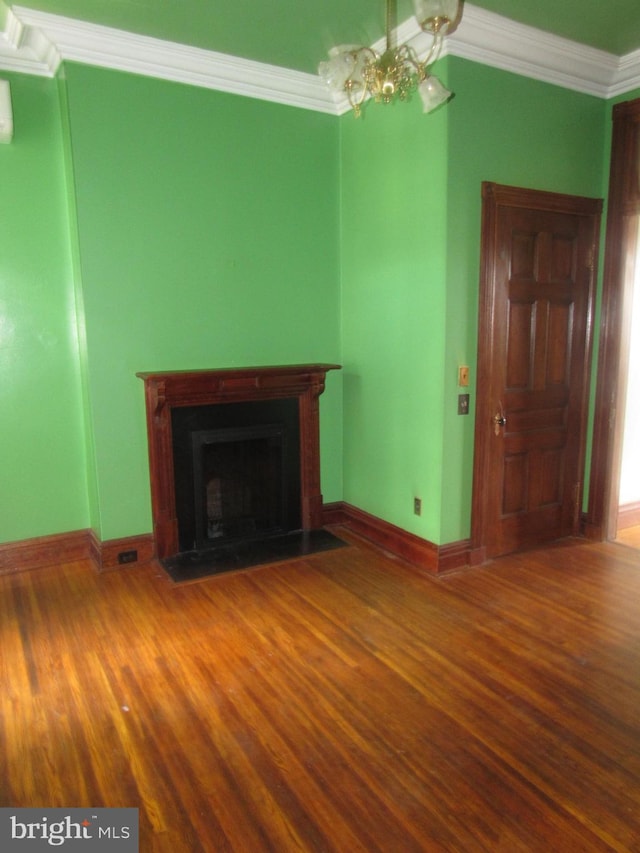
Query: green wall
[207, 237]
[148, 225]
[511, 130]
[394, 202]
[43, 486]
[411, 249]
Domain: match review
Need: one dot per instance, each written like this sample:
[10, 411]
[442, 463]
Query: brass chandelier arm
[360, 72]
[422, 66]
[362, 58]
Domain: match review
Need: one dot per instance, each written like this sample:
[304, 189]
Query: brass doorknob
[499, 420]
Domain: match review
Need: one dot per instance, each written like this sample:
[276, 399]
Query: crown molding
[492, 40]
[34, 42]
[627, 75]
[37, 42]
[26, 48]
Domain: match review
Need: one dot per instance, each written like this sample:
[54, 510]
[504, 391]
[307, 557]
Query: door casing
[494, 196]
[621, 238]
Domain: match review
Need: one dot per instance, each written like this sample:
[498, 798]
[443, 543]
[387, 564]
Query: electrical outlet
[417, 506]
[463, 404]
[127, 557]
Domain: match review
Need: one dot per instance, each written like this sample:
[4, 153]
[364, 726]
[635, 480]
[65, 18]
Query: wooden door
[536, 301]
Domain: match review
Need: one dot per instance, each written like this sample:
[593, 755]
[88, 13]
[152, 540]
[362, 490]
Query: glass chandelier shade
[361, 73]
[436, 15]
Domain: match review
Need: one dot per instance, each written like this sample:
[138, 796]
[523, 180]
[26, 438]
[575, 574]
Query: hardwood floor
[342, 702]
[629, 536]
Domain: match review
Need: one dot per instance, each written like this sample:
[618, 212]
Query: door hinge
[591, 253]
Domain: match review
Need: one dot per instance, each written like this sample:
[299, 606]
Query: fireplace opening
[236, 472]
[239, 483]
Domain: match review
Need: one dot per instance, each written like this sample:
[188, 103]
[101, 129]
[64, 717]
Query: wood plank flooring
[629, 536]
[342, 702]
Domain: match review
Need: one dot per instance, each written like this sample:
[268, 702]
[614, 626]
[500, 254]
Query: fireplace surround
[167, 392]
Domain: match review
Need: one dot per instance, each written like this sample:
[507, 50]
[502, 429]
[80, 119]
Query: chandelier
[360, 72]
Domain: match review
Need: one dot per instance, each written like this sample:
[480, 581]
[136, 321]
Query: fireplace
[236, 469]
[233, 454]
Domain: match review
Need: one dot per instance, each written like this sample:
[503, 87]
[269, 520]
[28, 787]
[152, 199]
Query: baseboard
[122, 553]
[43, 551]
[334, 513]
[133, 550]
[415, 550]
[628, 515]
[455, 555]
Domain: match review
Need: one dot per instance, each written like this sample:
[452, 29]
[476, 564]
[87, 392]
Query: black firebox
[236, 472]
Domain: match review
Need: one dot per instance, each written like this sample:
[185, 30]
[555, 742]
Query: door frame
[494, 196]
[600, 521]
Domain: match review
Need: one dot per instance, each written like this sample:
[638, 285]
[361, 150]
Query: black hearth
[244, 554]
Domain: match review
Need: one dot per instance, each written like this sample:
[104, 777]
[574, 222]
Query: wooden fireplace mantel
[166, 390]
